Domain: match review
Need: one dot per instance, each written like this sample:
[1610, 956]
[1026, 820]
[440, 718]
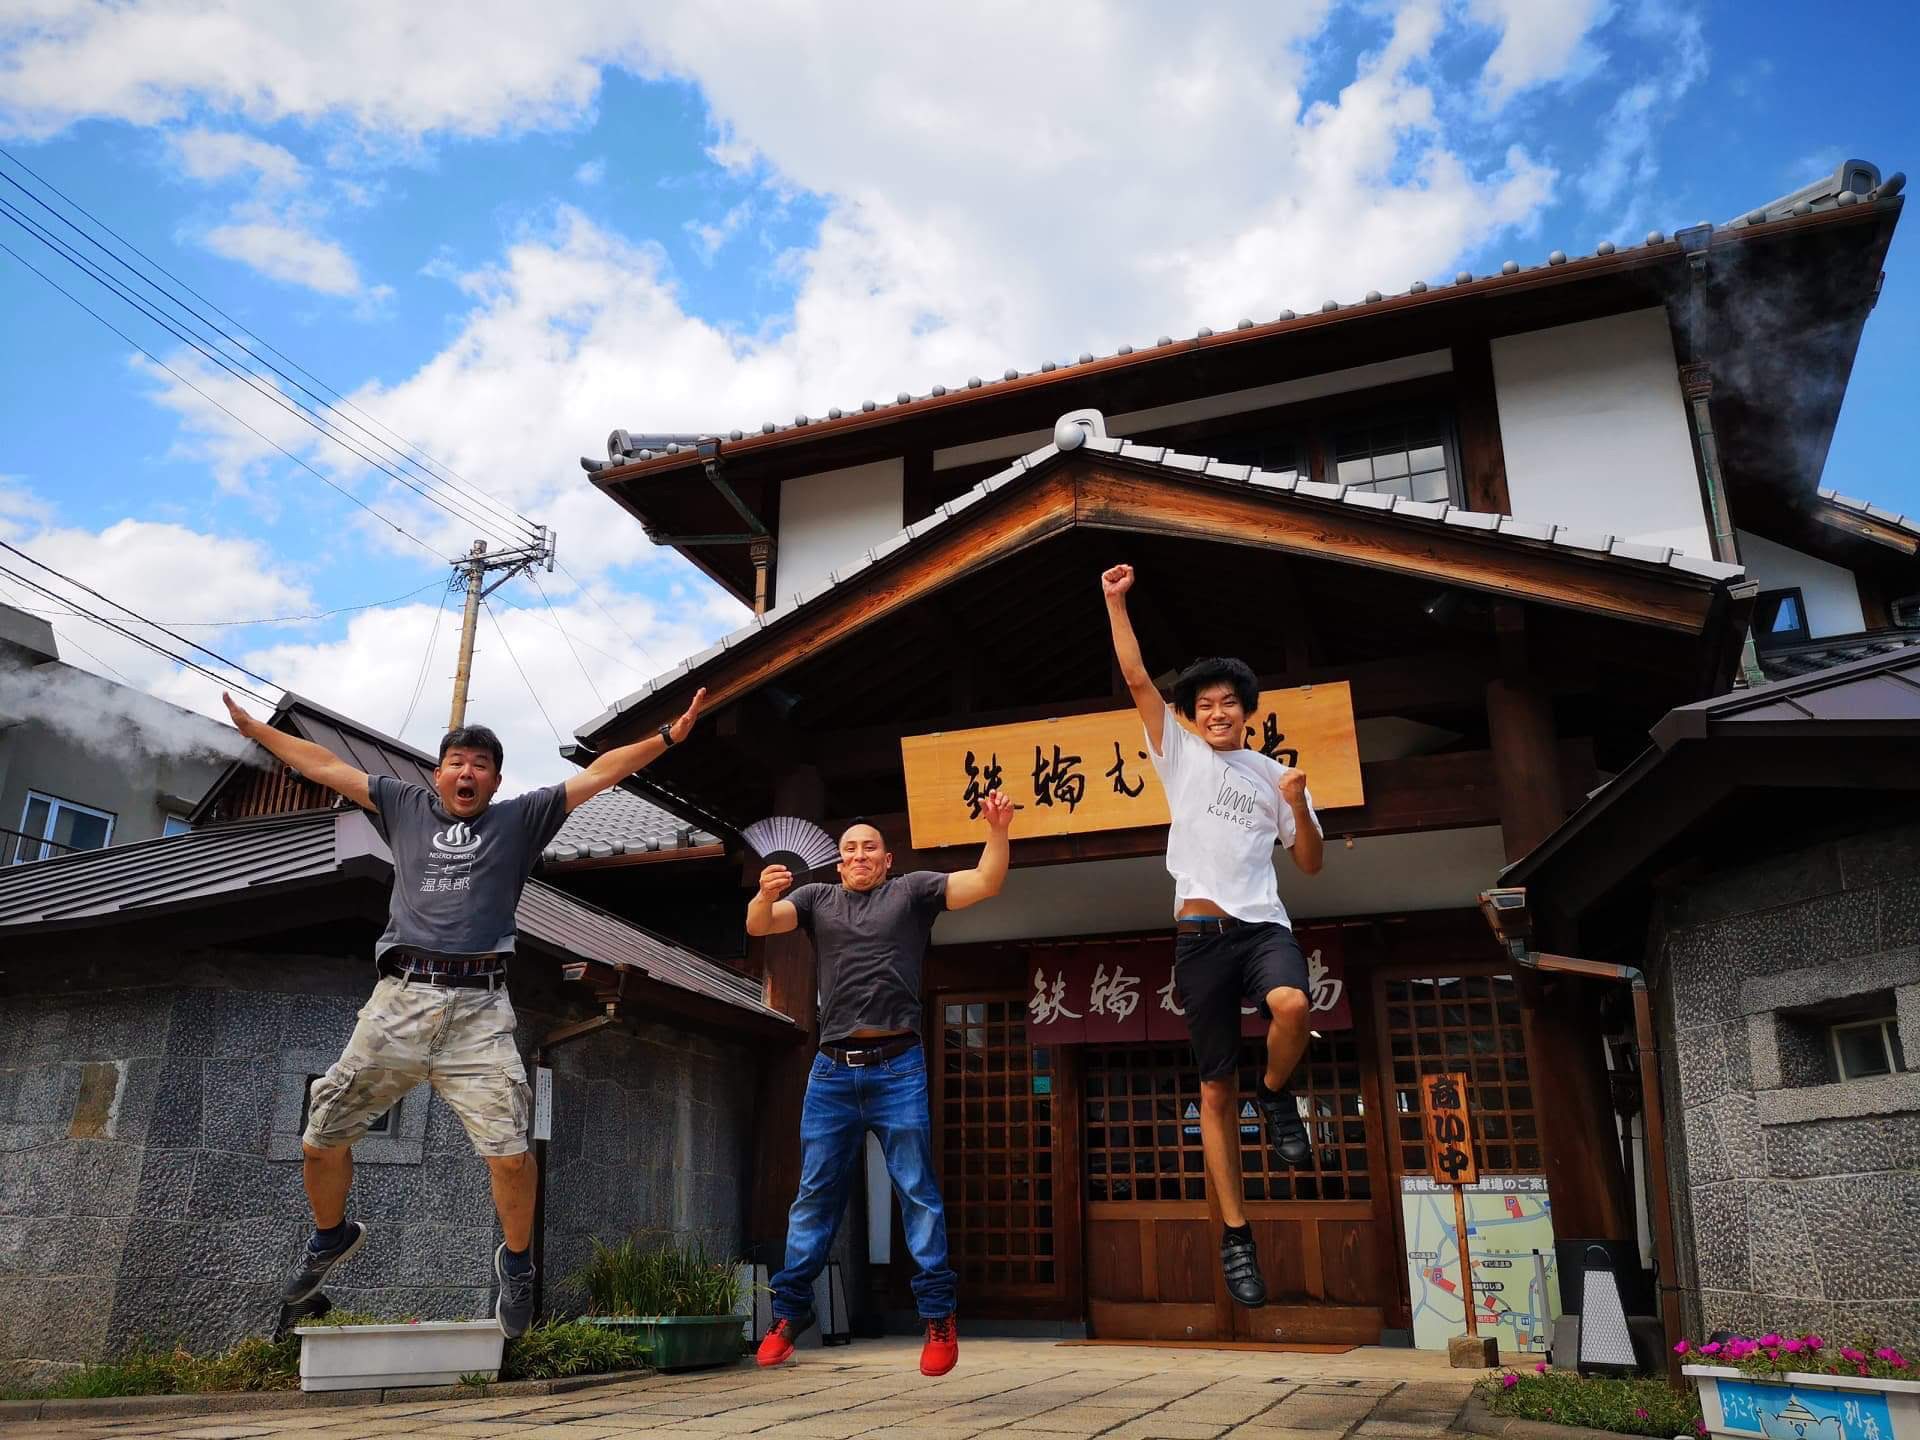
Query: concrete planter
[371, 1357]
[1738, 1406]
[681, 1342]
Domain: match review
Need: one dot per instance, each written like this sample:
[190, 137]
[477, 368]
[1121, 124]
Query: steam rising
[114, 721]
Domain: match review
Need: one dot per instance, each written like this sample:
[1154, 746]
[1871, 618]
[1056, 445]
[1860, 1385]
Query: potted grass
[680, 1301]
[1803, 1388]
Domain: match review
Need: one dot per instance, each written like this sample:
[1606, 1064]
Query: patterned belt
[477, 971]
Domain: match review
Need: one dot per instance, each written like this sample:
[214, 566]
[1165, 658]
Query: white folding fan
[800, 845]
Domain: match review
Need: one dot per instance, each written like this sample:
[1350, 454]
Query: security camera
[1507, 915]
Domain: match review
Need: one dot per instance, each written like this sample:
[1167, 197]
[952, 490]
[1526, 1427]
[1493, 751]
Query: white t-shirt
[1227, 813]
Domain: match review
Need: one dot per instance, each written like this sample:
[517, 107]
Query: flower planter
[1738, 1406]
[372, 1357]
[682, 1342]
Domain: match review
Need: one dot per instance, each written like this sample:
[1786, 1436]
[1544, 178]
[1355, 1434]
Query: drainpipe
[1506, 912]
[553, 1040]
[761, 552]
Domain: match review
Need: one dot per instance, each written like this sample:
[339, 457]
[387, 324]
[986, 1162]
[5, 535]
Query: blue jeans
[842, 1104]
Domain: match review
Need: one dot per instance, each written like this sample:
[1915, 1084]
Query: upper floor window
[52, 826]
[1279, 451]
[175, 825]
[1411, 458]
[1780, 617]
[1864, 1048]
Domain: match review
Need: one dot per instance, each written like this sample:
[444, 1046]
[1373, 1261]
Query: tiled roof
[1086, 429]
[618, 822]
[1786, 662]
[1867, 510]
[1825, 195]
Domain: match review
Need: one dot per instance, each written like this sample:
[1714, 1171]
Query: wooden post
[1450, 1158]
[1466, 1261]
[476, 568]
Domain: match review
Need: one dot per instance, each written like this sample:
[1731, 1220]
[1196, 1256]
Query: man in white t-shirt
[1229, 805]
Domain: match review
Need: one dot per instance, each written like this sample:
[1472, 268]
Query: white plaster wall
[1434, 870]
[1832, 596]
[828, 519]
[1595, 431]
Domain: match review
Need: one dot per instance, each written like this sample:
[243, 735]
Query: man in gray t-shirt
[870, 936]
[440, 1012]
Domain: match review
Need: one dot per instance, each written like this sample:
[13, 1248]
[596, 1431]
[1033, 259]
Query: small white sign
[543, 1102]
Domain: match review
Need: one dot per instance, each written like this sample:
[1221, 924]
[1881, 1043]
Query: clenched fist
[1116, 581]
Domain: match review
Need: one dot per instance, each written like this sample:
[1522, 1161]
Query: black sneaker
[1286, 1131]
[1242, 1267]
[314, 1264]
[514, 1308]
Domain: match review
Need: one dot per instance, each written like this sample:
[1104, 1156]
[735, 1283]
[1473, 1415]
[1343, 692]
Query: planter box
[1737, 1406]
[682, 1342]
[372, 1357]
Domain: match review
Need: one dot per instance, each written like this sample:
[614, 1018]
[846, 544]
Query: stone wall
[150, 1180]
[1797, 1195]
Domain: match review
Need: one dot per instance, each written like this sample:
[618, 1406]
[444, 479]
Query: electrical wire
[393, 525]
[420, 681]
[466, 490]
[88, 589]
[292, 619]
[608, 613]
[533, 614]
[523, 674]
[598, 697]
[66, 639]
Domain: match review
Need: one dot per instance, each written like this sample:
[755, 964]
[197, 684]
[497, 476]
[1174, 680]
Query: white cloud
[1622, 176]
[592, 172]
[1539, 42]
[709, 238]
[288, 252]
[210, 155]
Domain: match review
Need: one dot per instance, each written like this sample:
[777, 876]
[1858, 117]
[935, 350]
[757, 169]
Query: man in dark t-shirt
[870, 936]
[440, 1012]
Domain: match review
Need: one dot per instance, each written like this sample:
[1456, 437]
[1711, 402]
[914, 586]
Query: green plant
[554, 1349]
[1775, 1354]
[1627, 1407]
[145, 1369]
[625, 1279]
[475, 1380]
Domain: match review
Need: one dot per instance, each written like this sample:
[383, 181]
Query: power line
[467, 491]
[533, 614]
[306, 414]
[523, 674]
[292, 619]
[420, 681]
[598, 697]
[66, 639]
[608, 613]
[393, 525]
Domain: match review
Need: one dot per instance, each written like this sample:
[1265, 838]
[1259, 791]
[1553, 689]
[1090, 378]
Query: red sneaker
[942, 1350]
[776, 1346]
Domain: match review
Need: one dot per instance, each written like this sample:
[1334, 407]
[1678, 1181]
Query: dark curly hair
[1216, 670]
[473, 737]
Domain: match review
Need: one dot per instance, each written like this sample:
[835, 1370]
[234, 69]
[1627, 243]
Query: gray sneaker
[314, 1265]
[514, 1308]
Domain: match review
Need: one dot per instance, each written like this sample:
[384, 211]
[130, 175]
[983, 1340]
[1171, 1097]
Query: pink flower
[1792, 1347]
[1700, 1427]
[1638, 1413]
[1769, 1339]
[1862, 1369]
[1849, 1353]
[1892, 1357]
[1681, 1348]
[1712, 1347]
[1814, 1342]
[1507, 1382]
[1541, 1368]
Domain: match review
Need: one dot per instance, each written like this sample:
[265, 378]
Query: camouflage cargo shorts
[459, 1039]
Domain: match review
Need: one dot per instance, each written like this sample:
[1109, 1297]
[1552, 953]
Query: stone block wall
[150, 1180]
[1797, 1195]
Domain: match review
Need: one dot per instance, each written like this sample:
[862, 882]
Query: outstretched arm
[983, 882]
[315, 762]
[767, 913]
[1307, 849]
[1114, 584]
[614, 766]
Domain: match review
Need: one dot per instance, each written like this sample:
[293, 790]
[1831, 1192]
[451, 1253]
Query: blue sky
[505, 240]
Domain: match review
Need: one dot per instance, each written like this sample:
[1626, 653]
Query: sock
[516, 1262]
[331, 1238]
[1237, 1232]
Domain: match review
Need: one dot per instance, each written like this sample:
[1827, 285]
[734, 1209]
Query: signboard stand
[1443, 1099]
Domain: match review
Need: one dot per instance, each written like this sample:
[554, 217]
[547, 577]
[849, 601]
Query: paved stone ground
[874, 1391]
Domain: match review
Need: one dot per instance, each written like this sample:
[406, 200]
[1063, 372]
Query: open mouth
[464, 794]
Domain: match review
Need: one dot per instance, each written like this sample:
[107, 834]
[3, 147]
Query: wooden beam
[1483, 459]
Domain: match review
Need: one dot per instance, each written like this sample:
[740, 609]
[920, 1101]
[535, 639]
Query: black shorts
[1214, 970]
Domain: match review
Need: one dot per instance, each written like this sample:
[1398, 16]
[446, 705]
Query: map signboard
[1510, 1246]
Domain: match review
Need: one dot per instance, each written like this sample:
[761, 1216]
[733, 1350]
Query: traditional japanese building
[1476, 538]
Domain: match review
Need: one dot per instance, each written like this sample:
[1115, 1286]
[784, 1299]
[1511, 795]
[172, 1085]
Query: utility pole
[475, 569]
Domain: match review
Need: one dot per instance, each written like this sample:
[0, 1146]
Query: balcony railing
[18, 849]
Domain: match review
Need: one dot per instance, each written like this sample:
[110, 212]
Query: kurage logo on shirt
[459, 838]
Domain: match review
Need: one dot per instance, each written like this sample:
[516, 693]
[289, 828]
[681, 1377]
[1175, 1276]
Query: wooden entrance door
[1153, 1234]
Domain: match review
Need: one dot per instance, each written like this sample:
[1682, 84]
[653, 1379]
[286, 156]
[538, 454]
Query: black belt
[870, 1054]
[1218, 923]
[487, 980]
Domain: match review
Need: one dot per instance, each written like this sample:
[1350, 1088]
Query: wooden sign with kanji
[1443, 1099]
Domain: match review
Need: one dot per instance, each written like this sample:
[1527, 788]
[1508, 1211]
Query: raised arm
[983, 882]
[1147, 699]
[767, 913]
[315, 762]
[1307, 850]
[614, 766]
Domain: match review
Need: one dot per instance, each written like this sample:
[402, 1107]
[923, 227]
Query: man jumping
[869, 936]
[1228, 804]
[440, 1011]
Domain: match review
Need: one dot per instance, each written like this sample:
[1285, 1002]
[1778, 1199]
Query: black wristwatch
[666, 736]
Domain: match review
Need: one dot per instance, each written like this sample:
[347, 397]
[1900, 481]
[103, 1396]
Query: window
[1277, 450]
[1411, 458]
[1469, 1024]
[382, 1123]
[176, 825]
[1780, 617]
[1865, 1048]
[61, 826]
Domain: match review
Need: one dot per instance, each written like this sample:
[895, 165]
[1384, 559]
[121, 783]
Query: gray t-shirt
[868, 948]
[457, 883]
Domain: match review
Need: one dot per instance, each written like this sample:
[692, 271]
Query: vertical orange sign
[1449, 1136]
